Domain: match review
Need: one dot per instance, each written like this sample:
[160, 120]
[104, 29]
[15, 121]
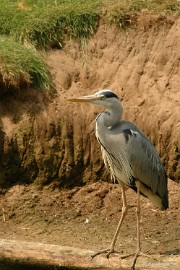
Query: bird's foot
[108, 252]
[136, 255]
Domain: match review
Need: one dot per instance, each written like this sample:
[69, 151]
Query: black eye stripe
[109, 94]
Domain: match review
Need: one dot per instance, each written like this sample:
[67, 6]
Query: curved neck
[112, 116]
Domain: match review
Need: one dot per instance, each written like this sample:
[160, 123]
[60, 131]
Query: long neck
[112, 116]
[108, 119]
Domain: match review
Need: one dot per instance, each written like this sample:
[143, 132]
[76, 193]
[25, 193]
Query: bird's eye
[103, 97]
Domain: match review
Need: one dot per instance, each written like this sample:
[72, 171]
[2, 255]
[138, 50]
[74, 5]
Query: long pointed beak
[83, 99]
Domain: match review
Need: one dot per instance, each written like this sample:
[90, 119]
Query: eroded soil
[44, 139]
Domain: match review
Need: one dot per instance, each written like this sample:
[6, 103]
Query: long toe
[137, 254]
[108, 252]
[99, 252]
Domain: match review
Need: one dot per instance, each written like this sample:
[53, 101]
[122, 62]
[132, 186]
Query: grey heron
[130, 157]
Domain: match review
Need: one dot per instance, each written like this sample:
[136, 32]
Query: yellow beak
[83, 99]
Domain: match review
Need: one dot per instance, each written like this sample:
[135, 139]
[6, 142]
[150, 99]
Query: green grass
[21, 67]
[44, 24]
[47, 23]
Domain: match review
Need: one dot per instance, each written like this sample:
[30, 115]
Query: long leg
[124, 212]
[138, 251]
[138, 230]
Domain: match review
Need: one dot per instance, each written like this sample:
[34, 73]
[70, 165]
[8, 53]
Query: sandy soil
[86, 217]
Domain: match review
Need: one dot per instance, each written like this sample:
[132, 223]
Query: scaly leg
[124, 212]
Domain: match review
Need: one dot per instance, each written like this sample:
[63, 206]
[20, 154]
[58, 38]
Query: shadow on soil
[5, 265]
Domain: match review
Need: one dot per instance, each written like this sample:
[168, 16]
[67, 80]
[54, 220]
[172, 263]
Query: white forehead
[106, 92]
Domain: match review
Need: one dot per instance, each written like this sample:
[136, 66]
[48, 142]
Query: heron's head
[105, 98]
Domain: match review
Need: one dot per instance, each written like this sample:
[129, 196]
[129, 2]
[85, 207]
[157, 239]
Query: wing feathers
[147, 166]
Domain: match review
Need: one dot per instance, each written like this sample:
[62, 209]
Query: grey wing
[145, 162]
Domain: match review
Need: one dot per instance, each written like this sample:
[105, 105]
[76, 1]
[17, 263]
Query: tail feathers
[165, 202]
[159, 202]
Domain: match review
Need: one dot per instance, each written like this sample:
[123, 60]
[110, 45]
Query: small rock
[86, 221]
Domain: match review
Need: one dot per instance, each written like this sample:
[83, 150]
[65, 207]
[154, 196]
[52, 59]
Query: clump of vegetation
[21, 66]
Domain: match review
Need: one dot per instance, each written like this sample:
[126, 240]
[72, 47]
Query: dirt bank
[44, 139]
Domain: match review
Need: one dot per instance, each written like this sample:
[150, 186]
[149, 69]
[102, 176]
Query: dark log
[48, 254]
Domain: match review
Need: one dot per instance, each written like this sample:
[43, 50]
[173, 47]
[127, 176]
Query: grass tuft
[21, 66]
